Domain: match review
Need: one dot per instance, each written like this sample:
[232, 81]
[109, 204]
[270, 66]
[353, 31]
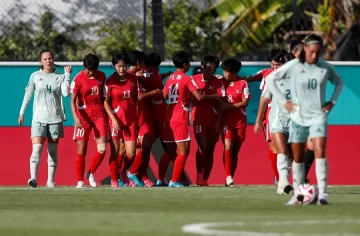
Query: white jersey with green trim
[307, 89]
[49, 88]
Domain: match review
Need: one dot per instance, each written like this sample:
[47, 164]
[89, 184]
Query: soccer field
[248, 210]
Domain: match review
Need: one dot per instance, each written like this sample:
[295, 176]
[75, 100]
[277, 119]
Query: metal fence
[74, 27]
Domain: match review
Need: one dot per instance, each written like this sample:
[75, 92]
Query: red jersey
[149, 82]
[260, 74]
[123, 97]
[178, 89]
[90, 105]
[267, 72]
[262, 87]
[204, 113]
[236, 92]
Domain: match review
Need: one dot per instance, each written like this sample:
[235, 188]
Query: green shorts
[300, 134]
[47, 130]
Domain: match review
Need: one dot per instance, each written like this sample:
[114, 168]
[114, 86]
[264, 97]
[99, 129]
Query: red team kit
[167, 116]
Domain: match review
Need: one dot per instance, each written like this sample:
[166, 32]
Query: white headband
[313, 42]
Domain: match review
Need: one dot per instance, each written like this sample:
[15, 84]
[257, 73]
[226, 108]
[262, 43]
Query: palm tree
[158, 27]
[252, 22]
[333, 17]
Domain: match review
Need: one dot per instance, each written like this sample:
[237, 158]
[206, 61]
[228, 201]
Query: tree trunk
[158, 28]
[330, 36]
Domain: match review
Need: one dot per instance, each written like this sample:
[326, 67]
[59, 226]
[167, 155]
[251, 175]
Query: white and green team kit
[48, 108]
[307, 85]
[278, 117]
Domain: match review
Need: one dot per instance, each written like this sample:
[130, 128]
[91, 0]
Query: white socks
[321, 174]
[283, 169]
[35, 159]
[298, 171]
[52, 160]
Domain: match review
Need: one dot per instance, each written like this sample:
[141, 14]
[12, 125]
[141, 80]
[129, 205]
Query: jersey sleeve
[106, 92]
[166, 87]
[245, 90]
[191, 84]
[65, 84]
[266, 93]
[259, 75]
[29, 90]
[262, 84]
[335, 79]
[75, 85]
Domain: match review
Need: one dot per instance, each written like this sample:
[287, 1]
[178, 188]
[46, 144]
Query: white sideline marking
[206, 228]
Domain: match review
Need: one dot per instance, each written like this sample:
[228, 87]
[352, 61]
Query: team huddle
[131, 108]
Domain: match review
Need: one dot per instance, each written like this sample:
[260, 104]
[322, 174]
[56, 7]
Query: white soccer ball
[307, 194]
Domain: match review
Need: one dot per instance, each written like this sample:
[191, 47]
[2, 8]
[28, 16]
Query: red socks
[96, 162]
[273, 162]
[114, 168]
[138, 162]
[179, 166]
[120, 161]
[228, 163]
[199, 161]
[80, 166]
[208, 165]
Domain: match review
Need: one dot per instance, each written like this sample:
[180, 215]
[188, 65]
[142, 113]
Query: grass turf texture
[164, 211]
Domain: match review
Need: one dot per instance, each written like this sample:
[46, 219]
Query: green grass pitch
[249, 210]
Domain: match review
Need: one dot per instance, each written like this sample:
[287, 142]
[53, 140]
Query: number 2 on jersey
[173, 93]
[288, 95]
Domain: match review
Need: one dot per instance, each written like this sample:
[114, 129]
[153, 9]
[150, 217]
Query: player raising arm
[87, 107]
[234, 121]
[120, 105]
[48, 114]
[178, 89]
[307, 77]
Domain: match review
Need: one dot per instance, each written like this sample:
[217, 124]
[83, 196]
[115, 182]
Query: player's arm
[264, 101]
[192, 86]
[74, 89]
[73, 110]
[335, 79]
[108, 109]
[29, 90]
[65, 84]
[203, 97]
[151, 94]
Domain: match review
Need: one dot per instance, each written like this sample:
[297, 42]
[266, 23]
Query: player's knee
[101, 147]
[37, 149]
[52, 149]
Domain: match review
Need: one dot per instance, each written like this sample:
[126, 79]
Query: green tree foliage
[251, 22]
[116, 36]
[23, 42]
[188, 28]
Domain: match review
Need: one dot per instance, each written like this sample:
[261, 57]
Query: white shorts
[279, 121]
[47, 130]
[300, 134]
